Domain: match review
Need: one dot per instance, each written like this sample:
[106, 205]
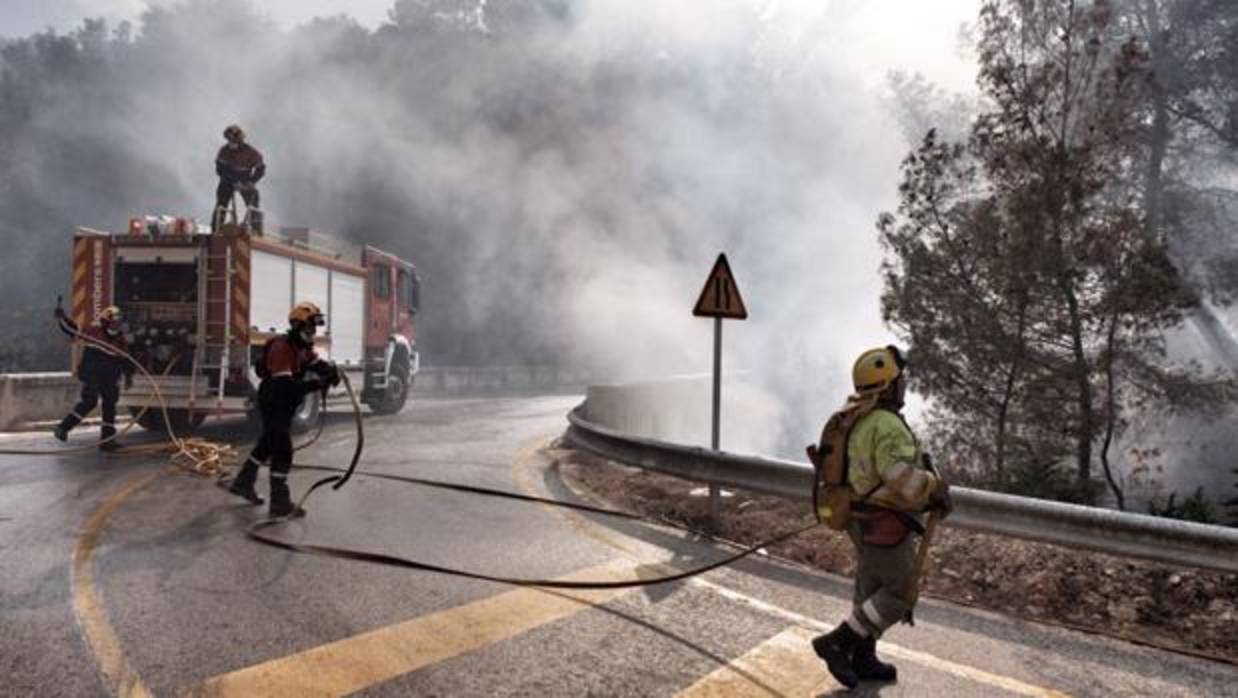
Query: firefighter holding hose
[100, 370]
[290, 370]
[892, 485]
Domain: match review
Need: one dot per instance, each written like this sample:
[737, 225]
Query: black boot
[866, 664]
[61, 432]
[836, 648]
[107, 439]
[281, 502]
[234, 486]
[243, 484]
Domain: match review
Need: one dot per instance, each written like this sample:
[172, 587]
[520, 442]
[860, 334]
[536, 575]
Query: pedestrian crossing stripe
[783, 665]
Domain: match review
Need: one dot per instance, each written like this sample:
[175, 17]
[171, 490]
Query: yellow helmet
[306, 313]
[234, 134]
[110, 314]
[877, 369]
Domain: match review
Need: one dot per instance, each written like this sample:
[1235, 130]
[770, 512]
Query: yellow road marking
[970, 673]
[777, 667]
[355, 663]
[101, 638]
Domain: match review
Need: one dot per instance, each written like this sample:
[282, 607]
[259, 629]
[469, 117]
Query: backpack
[260, 359]
[832, 495]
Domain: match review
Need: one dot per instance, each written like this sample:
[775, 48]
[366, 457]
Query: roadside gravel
[1180, 609]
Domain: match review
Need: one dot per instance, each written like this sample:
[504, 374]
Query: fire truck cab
[199, 307]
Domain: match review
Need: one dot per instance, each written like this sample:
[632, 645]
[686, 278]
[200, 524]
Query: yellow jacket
[884, 459]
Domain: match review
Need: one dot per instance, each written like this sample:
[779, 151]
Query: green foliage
[1042, 479]
[1196, 508]
[1027, 266]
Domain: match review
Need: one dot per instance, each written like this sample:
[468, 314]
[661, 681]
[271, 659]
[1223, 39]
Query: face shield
[307, 330]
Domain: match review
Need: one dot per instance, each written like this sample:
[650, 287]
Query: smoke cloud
[562, 173]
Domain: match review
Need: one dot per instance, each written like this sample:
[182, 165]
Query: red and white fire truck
[198, 307]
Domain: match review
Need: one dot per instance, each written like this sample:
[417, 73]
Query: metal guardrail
[1118, 533]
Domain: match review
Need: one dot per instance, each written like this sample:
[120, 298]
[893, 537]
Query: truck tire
[182, 423]
[306, 416]
[396, 394]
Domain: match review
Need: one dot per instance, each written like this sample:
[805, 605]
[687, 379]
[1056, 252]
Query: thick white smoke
[564, 182]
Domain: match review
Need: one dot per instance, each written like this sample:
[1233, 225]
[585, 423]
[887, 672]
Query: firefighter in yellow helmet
[290, 370]
[892, 484]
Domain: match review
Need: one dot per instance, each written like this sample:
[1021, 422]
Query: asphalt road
[119, 576]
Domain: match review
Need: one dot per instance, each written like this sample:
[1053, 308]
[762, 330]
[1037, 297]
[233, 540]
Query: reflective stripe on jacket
[884, 459]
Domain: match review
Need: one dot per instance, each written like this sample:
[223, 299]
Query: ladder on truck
[212, 355]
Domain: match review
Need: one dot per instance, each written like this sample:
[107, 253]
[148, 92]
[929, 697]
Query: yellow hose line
[88, 447]
[198, 456]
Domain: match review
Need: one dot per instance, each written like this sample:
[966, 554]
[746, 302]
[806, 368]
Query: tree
[437, 16]
[1020, 268]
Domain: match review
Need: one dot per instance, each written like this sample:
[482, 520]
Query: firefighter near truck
[199, 307]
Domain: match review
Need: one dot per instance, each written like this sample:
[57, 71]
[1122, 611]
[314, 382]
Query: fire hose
[341, 476]
[205, 458]
[195, 455]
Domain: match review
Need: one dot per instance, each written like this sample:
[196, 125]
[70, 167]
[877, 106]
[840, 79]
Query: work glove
[328, 372]
[940, 500]
[310, 385]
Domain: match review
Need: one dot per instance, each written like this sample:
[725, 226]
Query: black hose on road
[343, 475]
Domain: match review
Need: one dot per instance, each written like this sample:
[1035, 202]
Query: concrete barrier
[449, 381]
[678, 410]
[37, 397]
[34, 397]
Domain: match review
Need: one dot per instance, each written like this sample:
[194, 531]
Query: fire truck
[199, 306]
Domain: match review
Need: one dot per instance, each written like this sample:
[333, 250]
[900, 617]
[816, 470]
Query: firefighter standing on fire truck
[100, 372]
[240, 167]
[290, 370]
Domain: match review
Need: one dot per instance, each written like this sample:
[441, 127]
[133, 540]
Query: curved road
[121, 577]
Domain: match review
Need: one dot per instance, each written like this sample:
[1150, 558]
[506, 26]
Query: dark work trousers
[223, 197]
[278, 399]
[885, 580]
[92, 391]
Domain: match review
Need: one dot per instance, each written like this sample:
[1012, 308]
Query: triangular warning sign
[720, 297]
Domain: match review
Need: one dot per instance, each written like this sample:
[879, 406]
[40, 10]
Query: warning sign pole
[719, 299]
[716, 440]
[715, 496]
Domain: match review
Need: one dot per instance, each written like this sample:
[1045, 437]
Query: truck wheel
[306, 416]
[396, 394]
[182, 423]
